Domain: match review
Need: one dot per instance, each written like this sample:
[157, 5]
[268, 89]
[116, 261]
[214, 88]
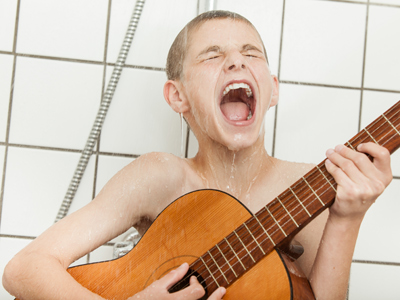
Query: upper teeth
[236, 86]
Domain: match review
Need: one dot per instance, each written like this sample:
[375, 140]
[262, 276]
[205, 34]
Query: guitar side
[184, 231]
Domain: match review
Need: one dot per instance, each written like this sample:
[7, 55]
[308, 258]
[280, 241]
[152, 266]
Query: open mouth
[238, 103]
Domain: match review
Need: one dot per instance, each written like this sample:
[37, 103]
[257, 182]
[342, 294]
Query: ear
[275, 91]
[174, 97]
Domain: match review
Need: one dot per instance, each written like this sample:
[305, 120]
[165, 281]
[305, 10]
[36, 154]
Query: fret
[276, 221]
[215, 262]
[209, 271]
[323, 204]
[227, 261]
[371, 136]
[244, 246]
[262, 250]
[287, 211]
[235, 254]
[351, 146]
[326, 178]
[305, 209]
[391, 124]
[273, 243]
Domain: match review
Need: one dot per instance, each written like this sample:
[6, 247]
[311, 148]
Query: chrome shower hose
[101, 114]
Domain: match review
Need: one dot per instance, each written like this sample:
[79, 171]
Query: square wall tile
[269, 129]
[44, 176]
[8, 11]
[139, 119]
[6, 66]
[382, 63]
[319, 47]
[372, 282]
[158, 26]
[375, 104]
[8, 248]
[377, 240]
[55, 102]
[266, 16]
[63, 28]
[313, 119]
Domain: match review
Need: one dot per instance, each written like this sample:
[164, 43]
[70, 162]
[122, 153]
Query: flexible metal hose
[101, 114]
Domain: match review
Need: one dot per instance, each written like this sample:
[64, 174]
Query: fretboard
[287, 214]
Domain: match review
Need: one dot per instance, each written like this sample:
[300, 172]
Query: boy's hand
[159, 289]
[360, 180]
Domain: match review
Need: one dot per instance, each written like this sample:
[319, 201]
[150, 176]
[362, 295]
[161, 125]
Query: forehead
[223, 33]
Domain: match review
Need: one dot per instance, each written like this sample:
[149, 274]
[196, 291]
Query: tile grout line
[107, 33]
[278, 75]
[363, 66]
[9, 108]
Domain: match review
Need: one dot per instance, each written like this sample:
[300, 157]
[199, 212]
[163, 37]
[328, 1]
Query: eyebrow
[249, 47]
[215, 48]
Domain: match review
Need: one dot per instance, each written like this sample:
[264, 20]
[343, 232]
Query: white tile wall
[2, 154]
[319, 47]
[313, 119]
[36, 182]
[55, 101]
[65, 28]
[382, 61]
[380, 223]
[6, 63]
[8, 10]
[371, 282]
[391, 2]
[138, 107]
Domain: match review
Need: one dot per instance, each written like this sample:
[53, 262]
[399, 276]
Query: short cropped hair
[177, 52]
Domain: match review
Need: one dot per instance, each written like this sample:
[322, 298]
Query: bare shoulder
[152, 179]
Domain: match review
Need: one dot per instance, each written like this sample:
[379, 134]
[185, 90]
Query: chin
[240, 141]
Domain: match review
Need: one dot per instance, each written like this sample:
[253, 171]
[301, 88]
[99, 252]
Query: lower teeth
[249, 116]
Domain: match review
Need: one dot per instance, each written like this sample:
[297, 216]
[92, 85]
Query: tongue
[235, 111]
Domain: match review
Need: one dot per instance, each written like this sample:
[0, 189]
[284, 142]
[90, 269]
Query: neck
[235, 172]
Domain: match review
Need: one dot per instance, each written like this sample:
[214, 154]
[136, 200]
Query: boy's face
[228, 84]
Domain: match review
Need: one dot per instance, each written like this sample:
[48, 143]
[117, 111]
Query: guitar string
[359, 143]
[393, 135]
[360, 136]
[312, 201]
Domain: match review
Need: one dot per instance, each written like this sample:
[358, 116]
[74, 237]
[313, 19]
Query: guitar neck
[287, 214]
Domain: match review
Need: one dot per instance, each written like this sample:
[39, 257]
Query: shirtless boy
[215, 52]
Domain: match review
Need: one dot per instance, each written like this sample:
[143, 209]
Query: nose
[235, 61]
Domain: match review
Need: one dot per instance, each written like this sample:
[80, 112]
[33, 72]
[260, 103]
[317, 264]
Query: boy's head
[220, 81]
[177, 52]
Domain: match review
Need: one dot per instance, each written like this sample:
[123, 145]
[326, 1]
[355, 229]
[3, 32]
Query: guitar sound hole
[184, 283]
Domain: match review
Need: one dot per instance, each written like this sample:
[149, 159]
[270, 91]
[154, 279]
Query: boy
[219, 80]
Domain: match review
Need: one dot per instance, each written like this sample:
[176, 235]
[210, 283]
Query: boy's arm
[360, 182]
[38, 271]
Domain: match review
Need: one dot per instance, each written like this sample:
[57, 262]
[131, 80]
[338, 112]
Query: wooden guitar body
[184, 231]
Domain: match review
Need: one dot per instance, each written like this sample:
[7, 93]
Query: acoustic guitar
[225, 244]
